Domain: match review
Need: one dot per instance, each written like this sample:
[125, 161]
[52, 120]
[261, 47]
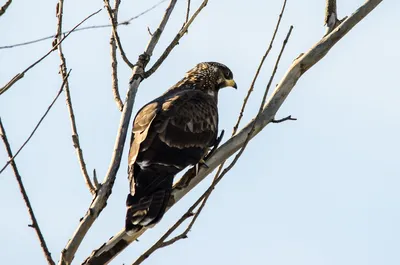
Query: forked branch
[63, 72]
[299, 66]
[102, 195]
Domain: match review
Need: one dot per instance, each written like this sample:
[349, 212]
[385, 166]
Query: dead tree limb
[3, 9]
[113, 13]
[175, 41]
[63, 71]
[299, 66]
[102, 195]
[35, 224]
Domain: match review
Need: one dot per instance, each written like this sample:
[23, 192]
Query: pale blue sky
[321, 190]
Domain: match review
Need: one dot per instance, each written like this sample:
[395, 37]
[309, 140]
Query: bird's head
[211, 76]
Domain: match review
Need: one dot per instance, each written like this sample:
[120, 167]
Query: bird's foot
[216, 144]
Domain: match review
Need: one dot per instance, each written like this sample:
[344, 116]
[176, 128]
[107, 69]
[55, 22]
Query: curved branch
[100, 200]
[299, 66]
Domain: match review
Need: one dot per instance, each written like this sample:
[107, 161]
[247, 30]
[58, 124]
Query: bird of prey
[170, 133]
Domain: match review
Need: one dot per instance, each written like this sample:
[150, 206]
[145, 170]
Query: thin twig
[55, 45]
[251, 88]
[114, 62]
[3, 9]
[100, 200]
[35, 224]
[63, 72]
[36, 127]
[123, 23]
[113, 14]
[174, 42]
[288, 118]
[187, 11]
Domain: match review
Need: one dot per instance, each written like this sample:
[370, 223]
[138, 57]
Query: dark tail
[147, 211]
[149, 202]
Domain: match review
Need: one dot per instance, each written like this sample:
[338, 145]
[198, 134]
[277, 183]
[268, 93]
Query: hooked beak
[231, 83]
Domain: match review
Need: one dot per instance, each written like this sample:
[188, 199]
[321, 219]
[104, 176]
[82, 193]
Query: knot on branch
[138, 68]
[75, 140]
[143, 60]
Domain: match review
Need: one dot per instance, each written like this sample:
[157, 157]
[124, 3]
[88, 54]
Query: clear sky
[320, 190]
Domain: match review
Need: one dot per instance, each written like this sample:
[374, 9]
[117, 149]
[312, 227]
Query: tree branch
[251, 88]
[113, 14]
[216, 180]
[114, 62]
[288, 118]
[183, 235]
[123, 23]
[35, 224]
[100, 200]
[36, 127]
[299, 66]
[3, 9]
[174, 42]
[55, 45]
[63, 72]
[187, 12]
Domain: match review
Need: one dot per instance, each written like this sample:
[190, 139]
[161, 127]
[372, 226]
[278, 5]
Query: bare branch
[123, 23]
[183, 235]
[35, 224]
[100, 200]
[55, 45]
[3, 9]
[288, 118]
[187, 11]
[113, 14]
[114, 62]
[217, 179]
[63, 72]
[174, 42]
[299, 66]
[251, 88]
[95, 180]
[36, 127]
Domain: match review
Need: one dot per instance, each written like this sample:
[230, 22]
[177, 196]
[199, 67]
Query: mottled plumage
[170, 133]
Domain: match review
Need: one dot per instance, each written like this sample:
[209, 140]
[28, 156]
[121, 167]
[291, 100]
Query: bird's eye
[228, 75]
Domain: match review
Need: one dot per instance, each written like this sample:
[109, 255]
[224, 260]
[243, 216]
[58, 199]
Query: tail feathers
[146, 211]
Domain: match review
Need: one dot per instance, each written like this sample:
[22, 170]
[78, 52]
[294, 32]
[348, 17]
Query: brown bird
[170, 133]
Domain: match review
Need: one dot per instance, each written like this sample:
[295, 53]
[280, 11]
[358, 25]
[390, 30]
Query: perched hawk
[170, 133]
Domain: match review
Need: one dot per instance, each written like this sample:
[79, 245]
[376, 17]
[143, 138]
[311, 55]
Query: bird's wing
[188, 119]
[141, 126]
[183, 120]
